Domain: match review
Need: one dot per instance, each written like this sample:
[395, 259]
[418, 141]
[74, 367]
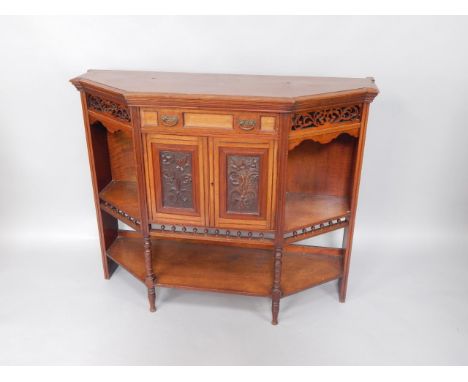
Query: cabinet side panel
[99, 162]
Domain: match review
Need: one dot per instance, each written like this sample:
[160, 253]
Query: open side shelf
[305, 209]
[120, 199]
[249, 271]
[319, 179]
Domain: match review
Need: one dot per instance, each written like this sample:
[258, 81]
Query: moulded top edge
[141, 87]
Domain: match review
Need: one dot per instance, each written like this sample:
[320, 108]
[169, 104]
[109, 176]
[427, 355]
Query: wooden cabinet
[218, 178]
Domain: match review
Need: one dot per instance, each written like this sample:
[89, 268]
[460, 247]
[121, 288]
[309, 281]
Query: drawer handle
[247, 124]
[169, 120]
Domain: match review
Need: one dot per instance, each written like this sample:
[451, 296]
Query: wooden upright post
[138, 144]
[348, 232]
[284, 126]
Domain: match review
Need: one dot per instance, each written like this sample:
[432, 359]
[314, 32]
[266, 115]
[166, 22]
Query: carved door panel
[243, 188]
[176, 172]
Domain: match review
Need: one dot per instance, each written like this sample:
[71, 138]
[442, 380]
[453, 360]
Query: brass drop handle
[247, 124]
[169, 120]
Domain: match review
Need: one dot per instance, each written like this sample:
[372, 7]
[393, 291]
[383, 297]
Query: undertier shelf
[120, 199]
[306, 209]
[192, 265]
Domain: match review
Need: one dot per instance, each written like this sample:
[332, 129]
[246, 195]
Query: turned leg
[276, 293]
[150, 280]
[152, 298]
[275, 304]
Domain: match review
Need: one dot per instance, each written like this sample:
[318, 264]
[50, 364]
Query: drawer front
[176, 179]
[243, 174]
[202, 122]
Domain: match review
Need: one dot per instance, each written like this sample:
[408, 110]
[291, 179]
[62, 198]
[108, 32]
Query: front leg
[150, 280]
[276, 293]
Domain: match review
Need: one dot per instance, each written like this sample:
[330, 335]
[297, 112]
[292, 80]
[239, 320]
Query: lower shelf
[191, 265]
[301, 271]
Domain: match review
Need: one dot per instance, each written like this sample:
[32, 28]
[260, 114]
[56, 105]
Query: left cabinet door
[176, 169]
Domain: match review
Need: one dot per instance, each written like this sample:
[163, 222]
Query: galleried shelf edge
[220, 176]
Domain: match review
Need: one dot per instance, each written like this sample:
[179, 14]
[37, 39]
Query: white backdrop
[414, 175]
[415, 178]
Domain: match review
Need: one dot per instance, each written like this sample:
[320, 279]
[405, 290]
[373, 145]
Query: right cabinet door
[243, 180]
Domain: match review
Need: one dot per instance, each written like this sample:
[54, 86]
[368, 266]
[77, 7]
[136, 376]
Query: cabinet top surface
[154, 84]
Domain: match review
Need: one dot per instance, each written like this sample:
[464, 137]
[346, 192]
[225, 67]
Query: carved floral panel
[326, 116]
[176, 179]
[243, 173]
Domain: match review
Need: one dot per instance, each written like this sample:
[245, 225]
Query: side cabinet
[176, 178]
[243, 172]
[222, 177]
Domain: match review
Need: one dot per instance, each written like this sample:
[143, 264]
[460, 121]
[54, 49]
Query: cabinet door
[176, 172]
[243, 172]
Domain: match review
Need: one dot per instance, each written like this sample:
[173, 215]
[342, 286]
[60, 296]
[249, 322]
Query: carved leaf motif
[326, 116]
[107, 107]
[176, 179]
[243, 184]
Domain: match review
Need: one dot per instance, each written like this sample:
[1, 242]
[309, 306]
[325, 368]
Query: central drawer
[168, 120]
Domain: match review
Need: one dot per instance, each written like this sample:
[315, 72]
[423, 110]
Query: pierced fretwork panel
[176, 178]
[326, 116]
[107, 107]
[243, 173]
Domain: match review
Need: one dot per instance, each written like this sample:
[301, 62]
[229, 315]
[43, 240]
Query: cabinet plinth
[218, 177]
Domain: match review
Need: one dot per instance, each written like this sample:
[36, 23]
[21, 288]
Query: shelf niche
[115, 169]
[319, 181]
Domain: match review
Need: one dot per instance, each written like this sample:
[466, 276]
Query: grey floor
[407, 304]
